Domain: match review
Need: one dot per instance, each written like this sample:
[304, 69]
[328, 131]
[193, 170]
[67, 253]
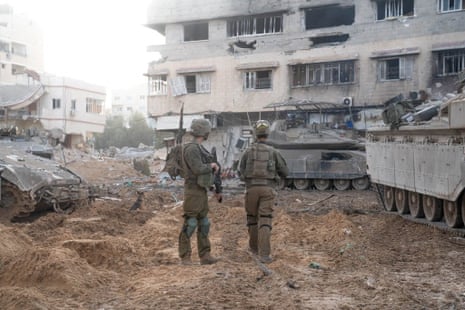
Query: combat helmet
[262, 128]
[200, 128]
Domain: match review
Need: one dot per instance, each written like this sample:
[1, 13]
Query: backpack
[174, 162]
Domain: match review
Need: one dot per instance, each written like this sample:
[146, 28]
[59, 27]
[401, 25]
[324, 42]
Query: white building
[74, 106]
[21, 47]
[130, 100]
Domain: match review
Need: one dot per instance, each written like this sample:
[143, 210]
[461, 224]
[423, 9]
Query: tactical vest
[203, 180]
[260, 163]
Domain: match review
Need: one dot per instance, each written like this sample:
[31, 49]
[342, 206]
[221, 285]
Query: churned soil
[331, 250]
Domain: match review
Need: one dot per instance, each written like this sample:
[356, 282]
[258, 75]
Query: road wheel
[389, 201]
[301, 184]
[322, 184]
[452, 213]
[432, 208]
[361, 184]
[341, 185]
[415, 205]
[401, 201]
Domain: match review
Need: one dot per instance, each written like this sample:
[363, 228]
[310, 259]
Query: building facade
[128, 101]
[21, 47]
[225, 58]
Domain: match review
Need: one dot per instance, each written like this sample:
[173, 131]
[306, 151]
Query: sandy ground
[343, 253]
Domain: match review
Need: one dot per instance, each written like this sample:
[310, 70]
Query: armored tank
[419, 166]
[29, 183]
[319, 158]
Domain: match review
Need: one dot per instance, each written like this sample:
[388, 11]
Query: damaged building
[32, 102]
[228, 60]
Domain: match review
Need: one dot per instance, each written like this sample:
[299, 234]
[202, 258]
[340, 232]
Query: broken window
[94, 106]
[329, 39]
[196, 32]
[4, 46]
[197, 83]
[398, 68]
[451, 5]
[394, 8]
[251, 25]
[450, 62]
[56, 103]
[257, 79]
[18, 49]
[158, 85]
[329, 16]
[331, 73]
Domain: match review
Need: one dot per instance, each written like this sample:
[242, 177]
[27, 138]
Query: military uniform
[198, 178]
[260, 167]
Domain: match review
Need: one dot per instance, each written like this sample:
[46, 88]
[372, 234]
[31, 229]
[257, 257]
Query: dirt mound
[21, 298]
[113, 253]
[12, 243]
[58, 268]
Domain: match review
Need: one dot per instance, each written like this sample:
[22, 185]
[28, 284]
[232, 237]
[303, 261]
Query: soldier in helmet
[198, 167]
[260, 167]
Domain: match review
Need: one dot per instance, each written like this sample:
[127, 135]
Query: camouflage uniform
[198, 178]
[260, 167]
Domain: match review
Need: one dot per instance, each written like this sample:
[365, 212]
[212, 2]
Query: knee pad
[204, 226]
[266, 221]
[251, 220]
[191, 224]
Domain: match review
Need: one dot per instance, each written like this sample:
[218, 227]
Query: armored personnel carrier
[29, 183]
[320, 158]
[420, 166]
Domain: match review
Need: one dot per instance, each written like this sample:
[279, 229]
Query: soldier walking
[261, 166]
[198, 167]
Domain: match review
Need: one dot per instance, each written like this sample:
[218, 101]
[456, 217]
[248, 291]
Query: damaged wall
[295, 44]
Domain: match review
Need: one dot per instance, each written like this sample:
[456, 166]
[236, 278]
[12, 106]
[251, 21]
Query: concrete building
[21, 47]
[125, 102]
[70, 107]
[31, 101]
[224, 59]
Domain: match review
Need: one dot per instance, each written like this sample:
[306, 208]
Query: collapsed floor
[341, 253]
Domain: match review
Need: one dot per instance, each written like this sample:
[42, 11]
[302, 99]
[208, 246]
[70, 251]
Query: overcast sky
[98, 41]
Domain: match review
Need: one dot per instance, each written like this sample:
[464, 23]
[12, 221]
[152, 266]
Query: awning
[158, 72]
[396, 52]
[313, 60]
[258, 65]
[195, 70]
[16, 97]
[306, 104]
[172, 122]
[448, 46]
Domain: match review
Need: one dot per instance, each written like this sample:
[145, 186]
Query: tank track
[14, 203]
[442, 226]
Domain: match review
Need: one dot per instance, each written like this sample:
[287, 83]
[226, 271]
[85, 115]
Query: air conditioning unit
[72, 112]
[347, 101]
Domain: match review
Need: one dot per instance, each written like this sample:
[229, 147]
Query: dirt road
[343, 253]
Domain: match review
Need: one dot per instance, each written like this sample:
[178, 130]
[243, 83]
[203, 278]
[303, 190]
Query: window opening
[257, 79]
[451, 5]
[331, 73]
[56, 103]
[329, 16]
[252, 25]
[196, 32]
[158, 85]
[394, 8]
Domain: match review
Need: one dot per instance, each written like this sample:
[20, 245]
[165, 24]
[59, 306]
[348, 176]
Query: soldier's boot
[253, 238]
[207, 259]
[186, 260]
[264, 235]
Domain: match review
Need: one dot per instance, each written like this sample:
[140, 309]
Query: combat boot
[207, 259]
[266, 259]
[186, 260]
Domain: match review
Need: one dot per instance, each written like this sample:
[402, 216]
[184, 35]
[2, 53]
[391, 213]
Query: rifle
[181, 130]
[217, 177]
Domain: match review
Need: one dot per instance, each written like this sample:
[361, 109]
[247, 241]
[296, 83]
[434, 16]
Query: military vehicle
[319, 158]
[30, 183]
[419, 166]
